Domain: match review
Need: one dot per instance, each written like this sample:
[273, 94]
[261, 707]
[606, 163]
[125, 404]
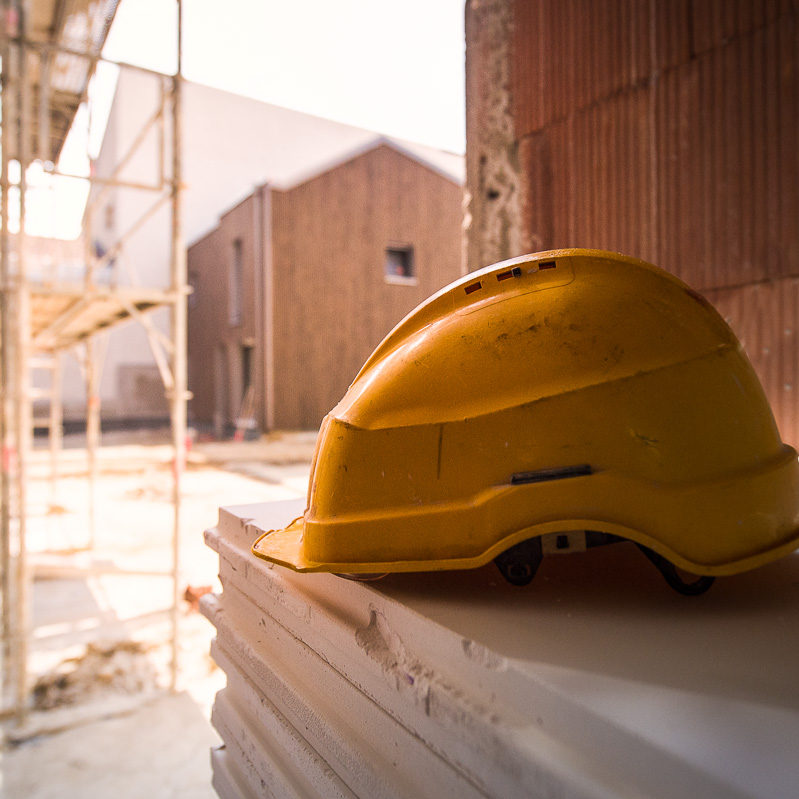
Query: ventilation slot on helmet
[547, 265]
[515, 272]
[473, 287]
[545, 475]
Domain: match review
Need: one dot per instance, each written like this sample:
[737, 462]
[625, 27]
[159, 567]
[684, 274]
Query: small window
[194, 285]
[400, 267]
[235, 285]
[246, 368]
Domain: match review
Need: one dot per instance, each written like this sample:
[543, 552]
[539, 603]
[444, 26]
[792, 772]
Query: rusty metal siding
[728, 175]
[715, 22]
[666, 129]
[671, 130]
[607, 146]
[332, 303]
[589, 179]
[569, 54]
[765, 317]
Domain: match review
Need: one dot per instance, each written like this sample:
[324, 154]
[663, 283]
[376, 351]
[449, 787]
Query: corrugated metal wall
[766, 318]
[728, 175]
[669, 131]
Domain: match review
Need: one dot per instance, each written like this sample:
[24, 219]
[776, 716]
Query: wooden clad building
[297, 284]
[666, 130]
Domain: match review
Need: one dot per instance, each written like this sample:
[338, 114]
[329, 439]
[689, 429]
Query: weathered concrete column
[492, 220]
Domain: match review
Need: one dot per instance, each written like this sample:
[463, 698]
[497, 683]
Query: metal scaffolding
[50, 50]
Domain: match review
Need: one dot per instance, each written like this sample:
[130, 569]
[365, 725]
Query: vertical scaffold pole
[92, 433]
[178, 287]
[92, 385]
[6, 371]
[22, 420]
[56, 424]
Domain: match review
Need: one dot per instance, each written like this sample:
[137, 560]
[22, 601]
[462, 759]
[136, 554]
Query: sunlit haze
[395, 68]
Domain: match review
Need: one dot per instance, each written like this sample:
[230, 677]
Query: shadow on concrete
[609, 612]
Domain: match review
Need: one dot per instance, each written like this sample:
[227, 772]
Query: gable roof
[287, 144]
[249, 143]
[233, 144]
[448, 165]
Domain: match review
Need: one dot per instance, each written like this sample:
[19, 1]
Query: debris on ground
[150, 492]
[100, 717]
[120, 667]
[193, 593]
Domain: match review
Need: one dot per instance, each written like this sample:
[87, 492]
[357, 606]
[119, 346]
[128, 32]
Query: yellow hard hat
[550, 403]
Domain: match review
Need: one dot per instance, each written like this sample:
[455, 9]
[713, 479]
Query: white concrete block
[452, 703]
[502, 690]
[375, 755]
[227, 783]
[278, 761]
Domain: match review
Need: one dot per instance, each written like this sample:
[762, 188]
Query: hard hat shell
[563, 391]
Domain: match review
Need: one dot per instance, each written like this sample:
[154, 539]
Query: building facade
[666, 130]
[297, 284]
[230, 145]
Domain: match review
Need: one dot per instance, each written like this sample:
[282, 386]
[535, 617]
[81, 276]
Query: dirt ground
[104, 723]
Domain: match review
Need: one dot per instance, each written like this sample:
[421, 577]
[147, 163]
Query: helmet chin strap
[671, 574]
[363, 578]
[519, 564]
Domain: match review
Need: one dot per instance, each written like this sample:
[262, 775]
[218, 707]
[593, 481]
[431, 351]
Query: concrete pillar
[492, 220]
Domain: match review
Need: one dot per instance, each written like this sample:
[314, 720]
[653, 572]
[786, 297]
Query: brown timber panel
[332, 302]
[209, 326]
[206, 319]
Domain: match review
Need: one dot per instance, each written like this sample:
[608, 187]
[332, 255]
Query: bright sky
[392, 67]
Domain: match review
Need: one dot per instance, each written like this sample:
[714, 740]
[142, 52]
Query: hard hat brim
[284, 547]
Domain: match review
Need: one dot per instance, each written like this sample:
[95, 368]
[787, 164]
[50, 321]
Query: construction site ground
[103, 721]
